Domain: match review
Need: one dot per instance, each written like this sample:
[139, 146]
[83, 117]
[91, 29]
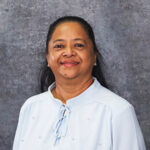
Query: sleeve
[23, 116]
[127, 134]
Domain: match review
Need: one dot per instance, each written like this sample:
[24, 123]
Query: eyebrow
[77, 39]
[58, 40]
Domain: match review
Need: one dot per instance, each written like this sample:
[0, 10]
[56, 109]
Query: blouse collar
[77, 101]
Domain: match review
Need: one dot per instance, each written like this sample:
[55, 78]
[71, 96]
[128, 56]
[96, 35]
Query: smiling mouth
[69, 63]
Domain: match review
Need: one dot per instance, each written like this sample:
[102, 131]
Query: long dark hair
[47, 76]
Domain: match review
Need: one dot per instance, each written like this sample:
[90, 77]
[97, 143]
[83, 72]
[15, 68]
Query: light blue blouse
[97, 119]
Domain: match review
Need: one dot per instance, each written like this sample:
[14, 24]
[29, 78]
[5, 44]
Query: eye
[58, 46]
[79, 45]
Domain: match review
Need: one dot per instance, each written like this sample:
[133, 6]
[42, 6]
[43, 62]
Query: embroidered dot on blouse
[33, 118]
[99, 144]
[88, 118]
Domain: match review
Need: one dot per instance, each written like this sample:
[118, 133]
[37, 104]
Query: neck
[66, 89]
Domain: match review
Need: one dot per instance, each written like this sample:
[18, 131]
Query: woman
[77, 112]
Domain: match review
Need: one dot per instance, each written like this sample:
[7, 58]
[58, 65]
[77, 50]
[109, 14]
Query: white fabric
[97, 119]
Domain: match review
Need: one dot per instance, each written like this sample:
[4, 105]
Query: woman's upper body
[94, 120]
[77, 112]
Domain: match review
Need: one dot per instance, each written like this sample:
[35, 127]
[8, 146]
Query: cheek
[53, 58]
[89, 57]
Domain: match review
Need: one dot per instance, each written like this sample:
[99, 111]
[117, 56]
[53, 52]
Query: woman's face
[70, 52]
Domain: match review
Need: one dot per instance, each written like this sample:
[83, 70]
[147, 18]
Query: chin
[70, 76]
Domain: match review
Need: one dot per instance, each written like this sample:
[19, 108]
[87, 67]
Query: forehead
[69, 29]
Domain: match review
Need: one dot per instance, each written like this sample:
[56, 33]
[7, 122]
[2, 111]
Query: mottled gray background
[122, 29]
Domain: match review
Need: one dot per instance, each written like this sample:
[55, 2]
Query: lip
[69, 63]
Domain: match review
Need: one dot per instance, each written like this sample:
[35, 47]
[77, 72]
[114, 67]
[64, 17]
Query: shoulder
[35, 101]
[115, 103]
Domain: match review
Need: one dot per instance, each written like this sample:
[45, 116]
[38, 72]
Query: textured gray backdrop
[122, 29]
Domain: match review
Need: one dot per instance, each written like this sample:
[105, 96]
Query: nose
[69, 52]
